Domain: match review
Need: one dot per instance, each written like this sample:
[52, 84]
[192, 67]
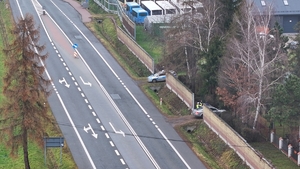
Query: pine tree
[25, 88]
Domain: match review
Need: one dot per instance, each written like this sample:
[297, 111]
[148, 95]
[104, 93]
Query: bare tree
[24, 113]
[192, 33]
[257, 56]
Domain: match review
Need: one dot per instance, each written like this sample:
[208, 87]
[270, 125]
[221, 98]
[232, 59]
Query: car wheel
[154, 81]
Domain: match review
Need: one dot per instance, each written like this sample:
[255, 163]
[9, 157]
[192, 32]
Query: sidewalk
[85, 15]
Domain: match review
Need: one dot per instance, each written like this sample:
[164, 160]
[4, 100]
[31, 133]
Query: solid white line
[61, 101]
[106, 93]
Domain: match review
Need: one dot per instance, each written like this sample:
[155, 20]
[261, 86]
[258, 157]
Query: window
[170, 11]
[157, 12]
[143, 14]
[134, 13]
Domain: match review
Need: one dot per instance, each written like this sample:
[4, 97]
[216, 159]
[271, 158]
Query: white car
[199, 112]
[160, 76]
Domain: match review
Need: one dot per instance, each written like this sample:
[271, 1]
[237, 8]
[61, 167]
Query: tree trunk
[258, 103]
[25, 150]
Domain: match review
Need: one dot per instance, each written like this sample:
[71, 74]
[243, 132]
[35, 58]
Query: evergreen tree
[285, 102]
[24, 113]
[209, 69]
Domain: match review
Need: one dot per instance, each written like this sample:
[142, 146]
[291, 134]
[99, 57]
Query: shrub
[250, 135]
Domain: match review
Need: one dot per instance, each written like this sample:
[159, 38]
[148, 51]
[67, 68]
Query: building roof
[280, 7]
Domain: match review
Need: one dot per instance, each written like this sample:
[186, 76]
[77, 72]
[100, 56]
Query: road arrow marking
[64, 80]
[118, 132]
[88, 83]
[90, 128]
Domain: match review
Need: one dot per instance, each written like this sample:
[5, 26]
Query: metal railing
[109, 6]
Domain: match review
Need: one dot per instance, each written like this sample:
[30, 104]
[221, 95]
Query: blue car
[157, 77]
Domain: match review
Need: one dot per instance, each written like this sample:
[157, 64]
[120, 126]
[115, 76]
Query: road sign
[74, 46]
[53, 142]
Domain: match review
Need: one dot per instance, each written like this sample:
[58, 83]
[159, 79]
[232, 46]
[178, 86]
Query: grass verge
[105, 33]
[277, 158]
[36, 154]
[205, 143]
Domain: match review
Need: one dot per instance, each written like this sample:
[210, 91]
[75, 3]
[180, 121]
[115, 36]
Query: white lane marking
[98, 121]
[86, 129]
[117, 152]
[94, 114]
[117, 132]
[63, 105]
[102, 128]
[106, 93]
[111, 143]
[106, 135]
[122, 161]
[85, 83]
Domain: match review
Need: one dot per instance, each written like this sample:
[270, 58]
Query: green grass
[149, 44]
[227, 158]
[156, 100]
[210, 148]
[278, 159]
[36, 154]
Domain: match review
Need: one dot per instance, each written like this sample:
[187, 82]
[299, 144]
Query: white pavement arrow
[64, 80]
[90, 128]
[118, 132]
[88, 83]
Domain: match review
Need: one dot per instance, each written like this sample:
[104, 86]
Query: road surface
[105, 118]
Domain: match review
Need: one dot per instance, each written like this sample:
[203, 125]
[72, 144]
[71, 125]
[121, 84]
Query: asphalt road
[105, 118]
